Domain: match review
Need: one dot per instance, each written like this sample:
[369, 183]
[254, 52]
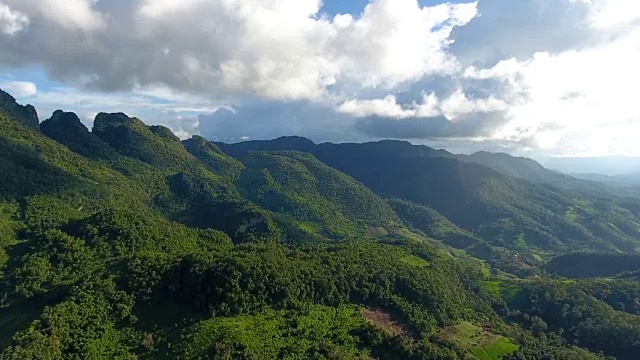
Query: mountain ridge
[125, 243]
[541, 213]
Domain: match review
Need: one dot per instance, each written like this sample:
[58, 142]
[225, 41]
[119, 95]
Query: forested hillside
[534, 219]
[123, 242]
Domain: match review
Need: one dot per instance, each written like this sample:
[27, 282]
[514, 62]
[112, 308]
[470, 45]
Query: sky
[529, 77]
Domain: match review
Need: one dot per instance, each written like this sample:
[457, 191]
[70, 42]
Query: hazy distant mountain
[608, 165]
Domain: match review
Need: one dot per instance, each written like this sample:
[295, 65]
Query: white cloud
[182, 134]
[67, 14]
[275, 49]
[396, 41]
[11, 21]
[20, 89]
[455, 106]
[389, 108]
[458, 105]
[575, 102]
[612, 14]
[556, 76]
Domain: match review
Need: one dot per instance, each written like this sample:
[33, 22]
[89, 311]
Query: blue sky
[354, 7]
[529, 77]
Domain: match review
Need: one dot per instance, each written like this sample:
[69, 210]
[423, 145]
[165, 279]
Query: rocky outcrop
[26, 115]
[66, 128]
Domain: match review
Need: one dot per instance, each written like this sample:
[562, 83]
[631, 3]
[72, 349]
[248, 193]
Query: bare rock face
[26, 115]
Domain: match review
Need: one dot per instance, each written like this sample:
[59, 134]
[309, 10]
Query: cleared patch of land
[415, 261]
[385, 322]
[498, 289]
[481, 342]
[376, 231]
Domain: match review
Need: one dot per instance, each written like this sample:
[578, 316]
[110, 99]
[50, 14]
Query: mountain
[535, 218]
[605, 165]
[523, 168]
[66, 128]
[214, 159]
[301, 187]
[530, 170]
[25, 115]
[123, 242]
[620, 181]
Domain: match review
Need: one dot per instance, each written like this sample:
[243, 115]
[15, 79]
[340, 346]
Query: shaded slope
[190, 191]
[26, 115]
[215, 160]
[432, 224]
[66, 128]
[154, 145]
[298, 185]
[519, 167]
[506, 211]
[531, 171]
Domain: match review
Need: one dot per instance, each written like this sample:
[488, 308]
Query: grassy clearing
[415, 261]
[500, 290]
[482, 343]
[437, 244]
[310, 227]
[571, 215]
[484, 268]
[495, 351]
[492, 288]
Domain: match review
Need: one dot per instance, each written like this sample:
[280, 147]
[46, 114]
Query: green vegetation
[495, 351]
[311, 333]
[501, 290]
[486, 204]
[585, 265]
[415, 261]
[482, 343]
[304, 189]
[125, 243]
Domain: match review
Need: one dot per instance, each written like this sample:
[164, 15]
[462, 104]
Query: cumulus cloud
[19, 89]
[559, 101]
[182, 126]
[275, 49]
[396, 41]
[67, 14]
[11, 21]
[614, 15]
[457, 105]
[528, 75]
[390, 108]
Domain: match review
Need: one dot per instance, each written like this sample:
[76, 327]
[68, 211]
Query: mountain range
[125, 242]
[604, 165]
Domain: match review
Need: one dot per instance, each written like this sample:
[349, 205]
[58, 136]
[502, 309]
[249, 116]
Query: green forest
[124, 242]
